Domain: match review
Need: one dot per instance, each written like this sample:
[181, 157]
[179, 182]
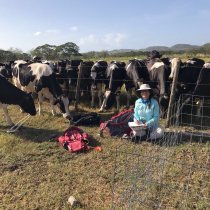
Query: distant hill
[158, 48]
[121, 51]
[206, 46]
[176, 47]
[184, 47]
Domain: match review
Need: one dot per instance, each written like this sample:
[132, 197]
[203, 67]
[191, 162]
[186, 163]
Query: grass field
[37, 173]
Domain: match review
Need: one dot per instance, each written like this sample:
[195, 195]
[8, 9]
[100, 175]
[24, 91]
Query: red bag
[74, 140]
[118, 124]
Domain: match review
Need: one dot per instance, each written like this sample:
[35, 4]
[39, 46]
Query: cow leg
[118, 99]
[66, 105]
[40, 100]
[128, 94]
[106, 94]
[6, 114]
[100, 95]
[93, 95]
[51, 99]
[200, 103]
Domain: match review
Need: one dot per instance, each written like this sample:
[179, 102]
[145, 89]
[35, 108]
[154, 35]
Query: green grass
[184, 57]
[36, 173]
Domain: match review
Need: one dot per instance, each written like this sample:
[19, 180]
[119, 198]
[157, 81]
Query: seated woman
[146, 115]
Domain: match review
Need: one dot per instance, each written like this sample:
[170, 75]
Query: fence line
[126, 80]
[167, 173]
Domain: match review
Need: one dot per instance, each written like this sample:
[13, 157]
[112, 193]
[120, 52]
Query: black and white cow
[202, 88]
[137, 74]
[39, 78]
[188, 79]
[6, 69]
[188, 74]
[98, 75]
[9, 94]
[115, 74]
[147, 71]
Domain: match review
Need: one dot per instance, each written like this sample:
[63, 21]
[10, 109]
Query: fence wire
[168, 173]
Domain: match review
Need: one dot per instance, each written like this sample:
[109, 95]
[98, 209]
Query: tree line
[46, 52]
[70, 50]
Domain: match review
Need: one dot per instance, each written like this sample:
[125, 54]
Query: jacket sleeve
[155, 118]
[136, 115]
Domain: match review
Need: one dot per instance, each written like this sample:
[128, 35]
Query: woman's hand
[144, 123]
[137, 122]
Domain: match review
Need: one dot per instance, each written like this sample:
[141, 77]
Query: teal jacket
[145, 113]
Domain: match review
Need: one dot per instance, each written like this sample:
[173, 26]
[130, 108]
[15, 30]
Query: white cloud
[37, 33]
[90, 39]
[114, 38]
[104, 42]
[74, 28]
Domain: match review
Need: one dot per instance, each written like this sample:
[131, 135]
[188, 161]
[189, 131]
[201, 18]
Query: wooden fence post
[173, 90]
[78, 87]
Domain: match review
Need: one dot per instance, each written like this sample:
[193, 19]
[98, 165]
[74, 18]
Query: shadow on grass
[172, 139]
[40, 135]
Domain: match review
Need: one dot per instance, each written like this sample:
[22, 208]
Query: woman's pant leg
[156, 133]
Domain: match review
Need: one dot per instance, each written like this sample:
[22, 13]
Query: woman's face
[145, 94]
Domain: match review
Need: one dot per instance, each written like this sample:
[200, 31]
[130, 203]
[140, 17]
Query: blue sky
[103, 24]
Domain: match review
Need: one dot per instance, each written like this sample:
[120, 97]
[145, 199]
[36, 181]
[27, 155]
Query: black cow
[85, 85]
[39, 78]
[67, 75]
[98, 75]
[115, 73]
[9, 94]
[62, 76]
[6, 69]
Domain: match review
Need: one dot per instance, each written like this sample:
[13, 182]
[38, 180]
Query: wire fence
[168, 173]
[124, 80]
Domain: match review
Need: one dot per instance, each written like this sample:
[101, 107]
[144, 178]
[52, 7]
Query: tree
[47, 52]
[65, 51]
[7, 56]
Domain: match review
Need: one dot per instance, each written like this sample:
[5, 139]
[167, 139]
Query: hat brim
[144, 89]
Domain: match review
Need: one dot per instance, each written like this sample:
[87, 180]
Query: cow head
[98, 72]
[137, 73]
[175, 65]
[6, 70]
[28, 105]
[115, 74]
[63, 103]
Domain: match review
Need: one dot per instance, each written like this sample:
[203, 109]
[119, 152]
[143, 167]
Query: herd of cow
[20, 81]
